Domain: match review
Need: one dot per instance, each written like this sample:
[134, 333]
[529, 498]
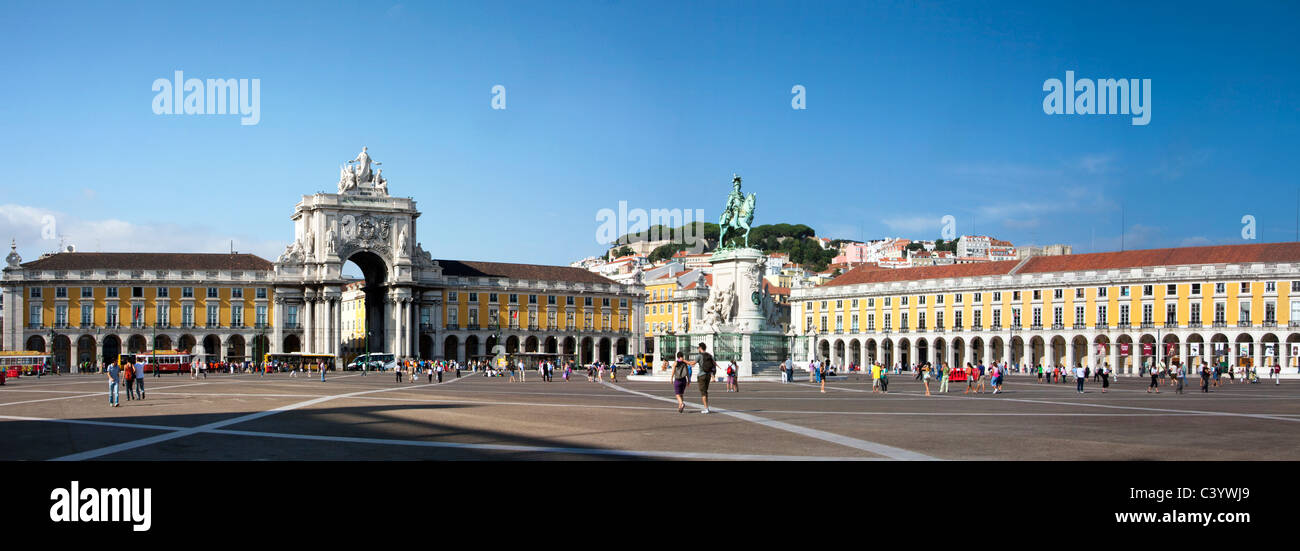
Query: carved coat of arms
[366, 232]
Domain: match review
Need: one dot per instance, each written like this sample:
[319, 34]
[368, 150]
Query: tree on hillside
[664, 252]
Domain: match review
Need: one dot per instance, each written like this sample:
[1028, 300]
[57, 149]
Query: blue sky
[914, 111]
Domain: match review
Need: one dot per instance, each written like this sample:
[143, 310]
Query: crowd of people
[978, 376]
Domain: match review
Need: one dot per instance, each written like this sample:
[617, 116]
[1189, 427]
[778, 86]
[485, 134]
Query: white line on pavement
[103, 394]
[873, 447]
[545, 449]
[1109, 406]
[91, 454]
[465, 446]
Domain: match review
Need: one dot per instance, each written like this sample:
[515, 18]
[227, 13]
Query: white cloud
[25, 224]
[913, 225]
[1097, 163]
[1022, 223]
[1004, 171]
[1174, 167]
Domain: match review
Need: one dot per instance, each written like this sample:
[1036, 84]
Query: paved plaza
[354, 417]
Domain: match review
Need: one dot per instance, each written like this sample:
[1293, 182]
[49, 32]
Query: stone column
[1258, 355]
[406, 327]
[1069, 355]
[746, 361]
[335, 319]
[390, 323]
[13, 317]
[277, 325]
[308, 322]
[1232, 354]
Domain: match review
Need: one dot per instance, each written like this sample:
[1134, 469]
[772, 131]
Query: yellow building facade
[91, 307]
[533, 310]
[674, 303]
[1237, 304]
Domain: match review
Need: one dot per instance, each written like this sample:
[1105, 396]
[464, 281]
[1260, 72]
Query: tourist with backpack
[681, 377]
[707, 369]
[128, 375]
[731, 377]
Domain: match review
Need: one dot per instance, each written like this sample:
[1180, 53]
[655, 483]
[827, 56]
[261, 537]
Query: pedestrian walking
[731, 376]
[114, 372]
[139, 378]
[1105, 379]
[1080, 375]
[943, 379]
[1155, 382]
[681, 377]
[924, 372]
[128, 375]
[707, 368]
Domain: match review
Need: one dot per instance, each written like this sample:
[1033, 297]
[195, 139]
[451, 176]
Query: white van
[376, 360]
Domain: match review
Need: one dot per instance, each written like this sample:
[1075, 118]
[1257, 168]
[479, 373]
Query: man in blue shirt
[114, 373]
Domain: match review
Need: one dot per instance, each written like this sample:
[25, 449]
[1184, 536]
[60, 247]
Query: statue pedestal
[745, 335]
[739, 271]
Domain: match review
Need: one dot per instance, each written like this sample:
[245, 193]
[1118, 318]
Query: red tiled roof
[535, 272]
[150, 261]
[1181, 256]
[775, 289]
[874, 274]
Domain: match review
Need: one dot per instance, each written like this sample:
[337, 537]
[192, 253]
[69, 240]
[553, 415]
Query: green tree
[664, 252]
